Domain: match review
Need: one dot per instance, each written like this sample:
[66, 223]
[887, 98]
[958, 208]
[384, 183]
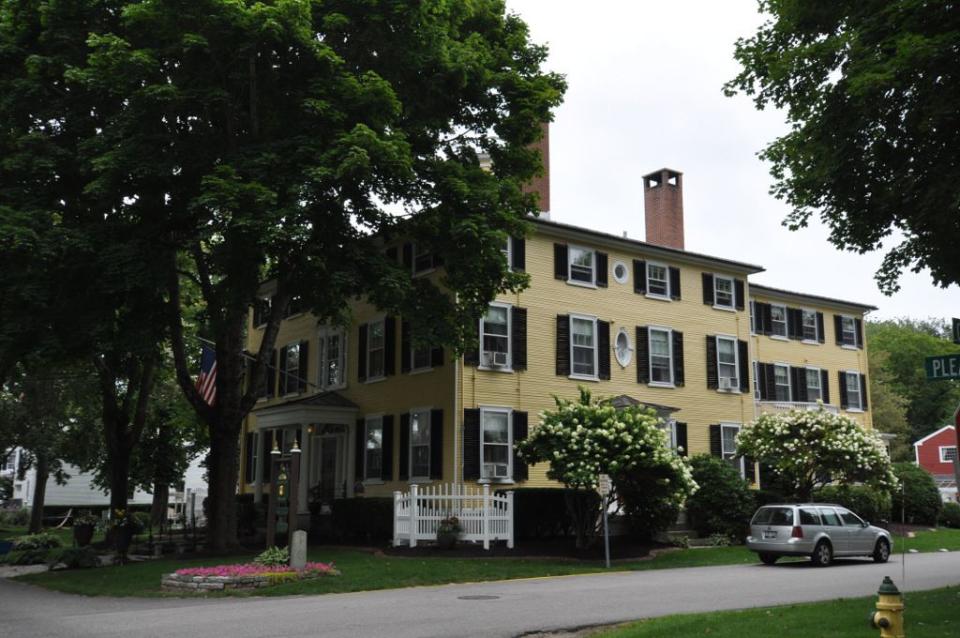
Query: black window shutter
[681, 431]
[859, 325]
[360, 437]
[643, 355]
[766, 318]
[863, 391]
[303, 370]
[362, 353]
[713, 378]
[603, 345]
[408, 255]
[471, 444]
[603, 265]
[518, 252]
[283, 371]
[563, 345]
[674, 283]
[404, 346]
[820, 336]
[520, 431]
[389, 346]
[762, 380]
[436, 357]
[560, 261]
[738, 294]
[825, 386]
[708, 289]
[748, 465]
[519, 329]
[436, 444]
[770, 381]
[391, 254]
[838, 328]
[792, 377]
[471, 356]
[386, 464]
[404, 464]
[794, 323]
[743, 359]
[639, 276]
[801, 393]
[844, 400]
[716, 442]
[678, 374]
[248, 442]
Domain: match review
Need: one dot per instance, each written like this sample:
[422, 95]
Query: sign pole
[604, 486]
[956, 456]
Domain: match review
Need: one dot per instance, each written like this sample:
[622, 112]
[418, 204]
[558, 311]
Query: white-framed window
[373, 447]
[723, 291]
[781, 381]
[809, 325]
[583, 346]
[948, 453]
[582, 268]
[670, 428]
[727, 364]
[622, 348]
[756, 380]
[420, 443]
[814, 389]
[753, 317]
[854, 400]
[728, 445]
[621, 274]
[661, 356]
[291, 368]
[658, 280]
[495, 350]
[420, 358]
[496, 444]
[422, 260]
[332, 373]
[778, 320]
[848, 331]
[376, 350]
[507, 250]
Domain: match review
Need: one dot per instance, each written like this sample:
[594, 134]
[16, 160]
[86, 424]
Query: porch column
[258, 466]
[304, 467]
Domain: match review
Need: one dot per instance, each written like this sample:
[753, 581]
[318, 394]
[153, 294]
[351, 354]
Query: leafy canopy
[807, 449]
[870, 91]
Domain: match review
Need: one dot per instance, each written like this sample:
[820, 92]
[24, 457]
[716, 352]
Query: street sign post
[943, 366]
[604, 485]
[956, 330]
[956, 455]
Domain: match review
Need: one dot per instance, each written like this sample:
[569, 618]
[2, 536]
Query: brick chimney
[541, 185]
[663, 207]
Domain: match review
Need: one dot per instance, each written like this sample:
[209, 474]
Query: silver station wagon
[818, 530]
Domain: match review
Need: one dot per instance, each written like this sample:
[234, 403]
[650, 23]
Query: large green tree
[870, 91]
[287, 140]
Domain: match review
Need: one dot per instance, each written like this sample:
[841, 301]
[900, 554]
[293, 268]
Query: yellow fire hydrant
[889, 615]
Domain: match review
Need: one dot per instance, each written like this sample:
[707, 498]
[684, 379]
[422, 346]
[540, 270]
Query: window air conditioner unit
[726, 383]
[495, 470]
[494, 359]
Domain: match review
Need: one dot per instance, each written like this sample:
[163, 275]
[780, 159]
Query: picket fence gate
[484, 517]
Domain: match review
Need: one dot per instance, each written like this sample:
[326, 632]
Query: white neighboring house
[188, 504]
[78, 491]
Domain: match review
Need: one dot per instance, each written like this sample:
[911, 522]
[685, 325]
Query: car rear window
[809, 517]
[773, 516]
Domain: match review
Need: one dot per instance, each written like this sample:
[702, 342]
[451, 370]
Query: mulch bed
[560, 548]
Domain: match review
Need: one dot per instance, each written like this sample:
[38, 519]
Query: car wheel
[881, 553]
[768, 559]
[822, 554]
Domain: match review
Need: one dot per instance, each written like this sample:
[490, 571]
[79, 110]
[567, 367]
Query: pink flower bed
[252, 569]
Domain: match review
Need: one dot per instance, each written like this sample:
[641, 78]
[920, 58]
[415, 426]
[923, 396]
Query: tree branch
[175, 318]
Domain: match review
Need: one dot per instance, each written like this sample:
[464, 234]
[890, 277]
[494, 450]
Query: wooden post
[414, 515]
[510, 519]
[294, 499]
[486, 516]
[397, 496]
[272, 503]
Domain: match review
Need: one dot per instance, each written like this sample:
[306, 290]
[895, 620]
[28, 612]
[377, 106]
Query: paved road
[520, 606]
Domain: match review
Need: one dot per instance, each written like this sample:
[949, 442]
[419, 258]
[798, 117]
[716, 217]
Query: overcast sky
[644, 93]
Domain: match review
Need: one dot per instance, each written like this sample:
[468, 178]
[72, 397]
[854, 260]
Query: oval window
[620, 272]
[622, 348]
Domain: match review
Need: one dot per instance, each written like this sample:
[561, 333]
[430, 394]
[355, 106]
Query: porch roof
[623, 401]
[317, 408]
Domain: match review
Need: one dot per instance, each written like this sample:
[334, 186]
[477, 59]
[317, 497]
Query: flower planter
[124, 536]
[447, 540]
[83, 534]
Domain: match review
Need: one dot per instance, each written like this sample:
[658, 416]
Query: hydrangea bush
[808, 449]
[581, 440]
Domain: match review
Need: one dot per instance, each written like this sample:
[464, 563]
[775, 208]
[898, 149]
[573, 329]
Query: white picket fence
[484, 517]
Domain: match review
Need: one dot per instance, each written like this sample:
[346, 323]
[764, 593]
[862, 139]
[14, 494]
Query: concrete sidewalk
[498, 609]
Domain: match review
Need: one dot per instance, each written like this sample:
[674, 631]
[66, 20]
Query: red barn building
[935, 453]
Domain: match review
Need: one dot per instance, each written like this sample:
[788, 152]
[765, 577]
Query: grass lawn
[65, 534]
[927, 541]
[928, 614]
[365, 571]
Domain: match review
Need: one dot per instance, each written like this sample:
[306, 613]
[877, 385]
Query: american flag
[207, 381]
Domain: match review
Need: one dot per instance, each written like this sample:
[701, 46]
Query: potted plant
[84, 527]
[125, 527]
[448, 532]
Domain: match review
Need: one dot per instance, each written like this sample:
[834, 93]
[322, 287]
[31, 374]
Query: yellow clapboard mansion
[638, 321]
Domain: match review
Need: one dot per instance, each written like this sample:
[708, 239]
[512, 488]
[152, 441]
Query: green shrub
[141, 521]
[870, 504]
[15, 518]
[541, 512]
[274, 557]
[25, 557]
[362, 520]
[250, 514]
[73, 558]
[648, 507]
[763, 497]
[920, 499]
[43, 540]
[724, 504]
[950, 515]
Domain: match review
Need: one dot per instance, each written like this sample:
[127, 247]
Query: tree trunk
[119, 480]
[161, 499]
[39, 494]
[223, 468]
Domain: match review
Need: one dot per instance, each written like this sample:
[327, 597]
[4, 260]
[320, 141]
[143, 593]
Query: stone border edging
[202, 584]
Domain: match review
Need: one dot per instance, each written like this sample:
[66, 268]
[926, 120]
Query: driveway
[501, 609]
